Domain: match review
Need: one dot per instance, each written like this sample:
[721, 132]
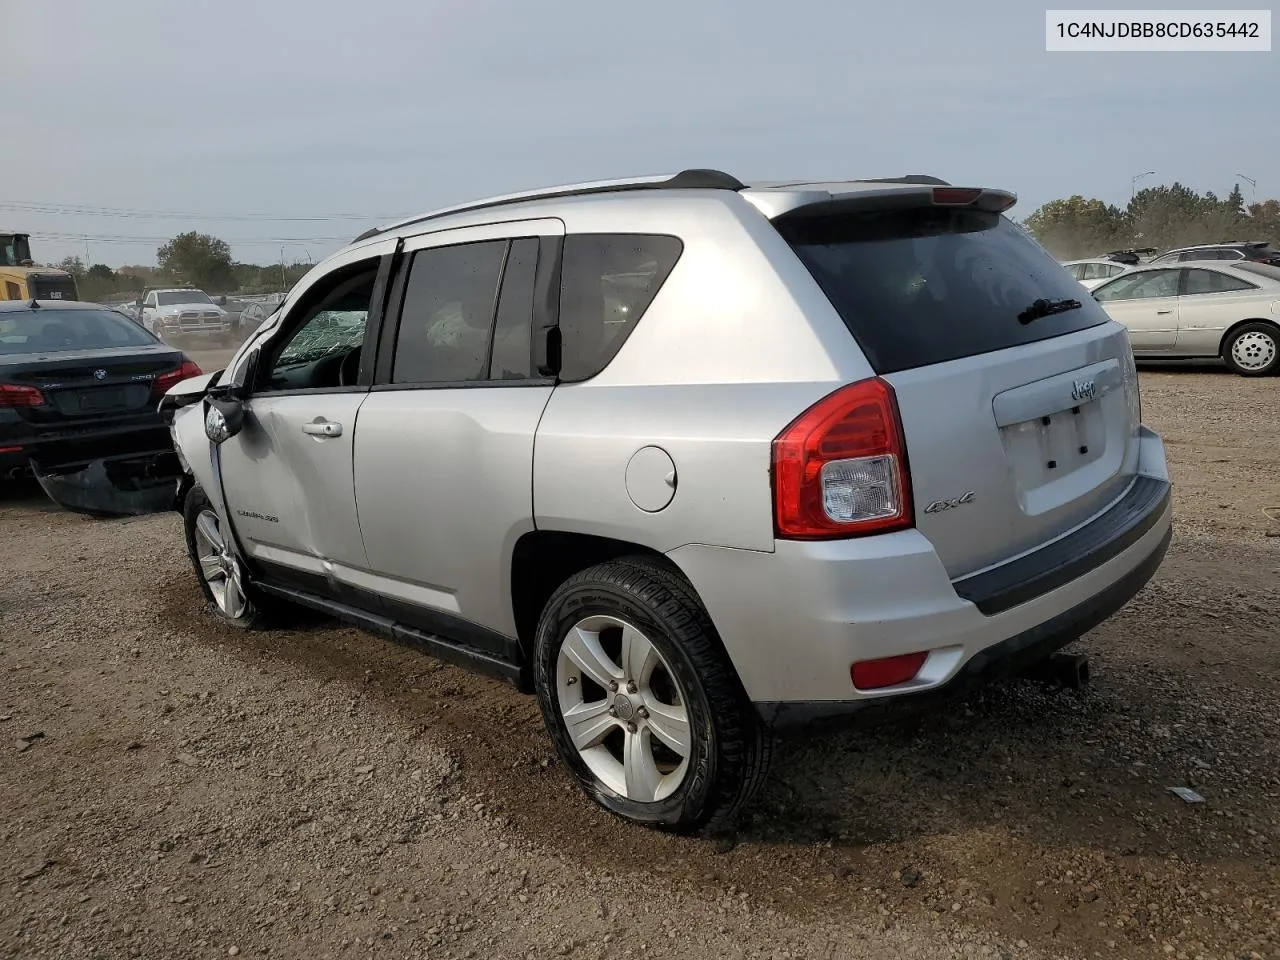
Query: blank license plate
[103, 399]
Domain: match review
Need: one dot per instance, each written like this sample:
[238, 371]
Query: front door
[1146, 302]
[288, 473]
[444, 446]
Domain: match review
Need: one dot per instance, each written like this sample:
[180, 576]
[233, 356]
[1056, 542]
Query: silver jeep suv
[696, 462]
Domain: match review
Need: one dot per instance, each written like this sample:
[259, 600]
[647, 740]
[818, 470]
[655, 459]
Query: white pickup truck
[175, 313]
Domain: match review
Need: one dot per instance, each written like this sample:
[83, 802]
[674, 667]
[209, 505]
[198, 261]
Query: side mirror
[223, 419]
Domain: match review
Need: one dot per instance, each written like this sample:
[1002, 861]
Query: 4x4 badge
[940, 505]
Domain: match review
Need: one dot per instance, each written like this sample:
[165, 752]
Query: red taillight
[165, 381]
[840, 468]
[887, 671]
[12, 395]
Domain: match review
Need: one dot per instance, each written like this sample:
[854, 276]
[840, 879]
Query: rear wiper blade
[1047, 308]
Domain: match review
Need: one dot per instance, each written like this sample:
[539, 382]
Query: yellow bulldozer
[21, 279]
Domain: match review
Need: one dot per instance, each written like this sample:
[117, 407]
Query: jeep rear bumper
[795, 620]
[1004, 659]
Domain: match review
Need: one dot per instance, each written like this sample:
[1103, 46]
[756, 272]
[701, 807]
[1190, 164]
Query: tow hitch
[1069, 670]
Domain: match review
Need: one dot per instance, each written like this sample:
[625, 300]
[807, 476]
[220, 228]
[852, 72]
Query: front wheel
[641, 701]
[1253, 350]
[230, 596]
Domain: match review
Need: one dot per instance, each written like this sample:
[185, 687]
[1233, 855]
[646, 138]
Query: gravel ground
[171, 788]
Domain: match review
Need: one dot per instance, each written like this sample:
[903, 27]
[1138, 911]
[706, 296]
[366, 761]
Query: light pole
[1133, 183]
[1253, 185]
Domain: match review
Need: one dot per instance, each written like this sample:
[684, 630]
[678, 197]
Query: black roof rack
[693, 179]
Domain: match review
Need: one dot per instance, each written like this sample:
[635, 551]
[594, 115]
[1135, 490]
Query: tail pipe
[1070, 670]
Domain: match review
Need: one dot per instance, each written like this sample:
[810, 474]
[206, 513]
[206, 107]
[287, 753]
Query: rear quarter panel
[737, 343]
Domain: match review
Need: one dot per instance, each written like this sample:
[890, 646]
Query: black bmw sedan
[79, 386]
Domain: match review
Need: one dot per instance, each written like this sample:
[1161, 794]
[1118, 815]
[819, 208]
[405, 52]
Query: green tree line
[1162, 217]
[191, 258]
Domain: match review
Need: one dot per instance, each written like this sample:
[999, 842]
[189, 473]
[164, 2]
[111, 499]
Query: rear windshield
[1267, 270]
[48, 330]
[176, 297]
[924, 285]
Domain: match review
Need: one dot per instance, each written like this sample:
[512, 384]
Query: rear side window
[1211, 281]
[607, 282]
[447, 318]
[919, 286]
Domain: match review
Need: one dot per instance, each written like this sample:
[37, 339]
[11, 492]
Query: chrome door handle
[322, 428]
[1161, 313]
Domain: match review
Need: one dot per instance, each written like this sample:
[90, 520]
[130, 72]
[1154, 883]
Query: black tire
[1256, 340]
[729, 748]
[257, 607]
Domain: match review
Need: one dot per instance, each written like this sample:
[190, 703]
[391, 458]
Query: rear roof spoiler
[895, 194]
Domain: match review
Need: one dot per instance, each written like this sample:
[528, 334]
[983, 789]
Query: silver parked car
[1092, 272]
[696, 462]
[1211, 309]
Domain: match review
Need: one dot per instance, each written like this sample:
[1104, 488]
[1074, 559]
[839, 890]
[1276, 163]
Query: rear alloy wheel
[222, 580]
[641, 701]
[1253, 350]
[628, 717]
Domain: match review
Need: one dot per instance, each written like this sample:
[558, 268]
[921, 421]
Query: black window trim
[545, 313]
[1185, 279]
[284, 333]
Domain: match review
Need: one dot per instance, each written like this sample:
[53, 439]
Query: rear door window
[446, 323]
[1145, 285]
[607, 282]
[919, 286]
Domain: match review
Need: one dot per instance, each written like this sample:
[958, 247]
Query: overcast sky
[371, 109]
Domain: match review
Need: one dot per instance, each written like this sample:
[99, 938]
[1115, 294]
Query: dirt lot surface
[172, 788]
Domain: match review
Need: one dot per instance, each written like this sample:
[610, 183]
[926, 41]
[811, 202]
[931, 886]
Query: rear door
[444, 444]
[1211, 301]
[1146, 302]
[1020, 423]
